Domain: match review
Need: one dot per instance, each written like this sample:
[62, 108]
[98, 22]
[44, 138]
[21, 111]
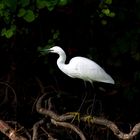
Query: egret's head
[55, 49]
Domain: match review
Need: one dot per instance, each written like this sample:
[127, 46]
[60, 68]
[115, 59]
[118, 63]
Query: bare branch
[35, 129]
[57, 119]
[9, 132]
[60, 121]
[71, 126]
[112, 126]
[50, 113]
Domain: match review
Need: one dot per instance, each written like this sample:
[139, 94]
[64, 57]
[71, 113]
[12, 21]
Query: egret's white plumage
[81, 67]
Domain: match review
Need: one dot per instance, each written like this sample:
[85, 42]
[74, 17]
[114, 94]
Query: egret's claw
[76, 116]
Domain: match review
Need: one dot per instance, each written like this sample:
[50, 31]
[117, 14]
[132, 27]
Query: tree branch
[9, 132]
[60, 121]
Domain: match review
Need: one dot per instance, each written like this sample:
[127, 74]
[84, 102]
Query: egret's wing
[88, 70]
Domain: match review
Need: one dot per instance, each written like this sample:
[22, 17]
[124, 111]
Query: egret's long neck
[61, 60]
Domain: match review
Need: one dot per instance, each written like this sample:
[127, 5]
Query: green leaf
[106, 11]
[112, 14]
[7, 17]
[29, 16]
[1, 6]
[21, 12]
[8, 33]
[24, 2]
[50, 4]
[108, 1]
[62, 2]
[41, 4]
[3, 31]
[12, 4]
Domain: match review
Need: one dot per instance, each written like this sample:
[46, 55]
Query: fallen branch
[10, 132]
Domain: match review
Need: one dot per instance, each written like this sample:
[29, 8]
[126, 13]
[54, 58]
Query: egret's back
[88, 70]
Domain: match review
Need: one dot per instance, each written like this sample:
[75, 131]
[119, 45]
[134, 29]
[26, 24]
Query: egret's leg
[93, 104]
[96, 105]
[77, 114]
[85, 96]
[94, 100]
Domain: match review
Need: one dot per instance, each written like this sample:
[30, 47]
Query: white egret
[81, 67]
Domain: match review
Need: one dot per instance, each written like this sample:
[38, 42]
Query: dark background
[114, 46]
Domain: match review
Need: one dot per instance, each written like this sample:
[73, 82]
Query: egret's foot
[88, 119]
[76, 116]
